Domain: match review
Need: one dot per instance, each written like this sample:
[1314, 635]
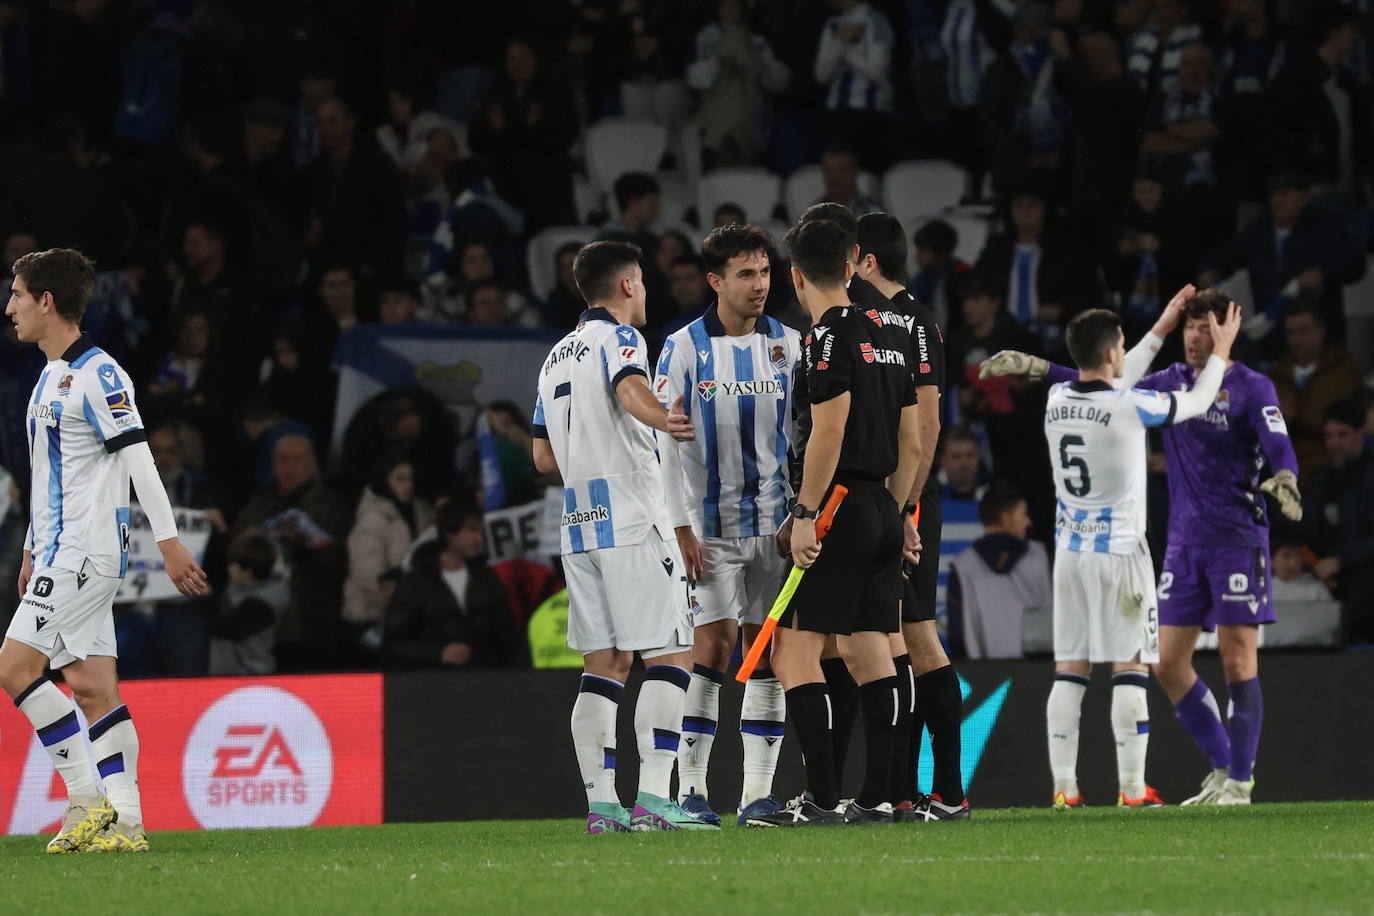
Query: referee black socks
[880, 702]
[844, 701]
[810, 708]
[939, 704]
[903, 763]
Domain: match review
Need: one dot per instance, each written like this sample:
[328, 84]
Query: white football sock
[762, 720]
[700, 713]
[658, 717]
[593, 731]
[1131, 726]
[114, 745]
[1062, 713]
[54, 719]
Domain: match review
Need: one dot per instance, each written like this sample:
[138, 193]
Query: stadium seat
[973, 235]
[614, 146]
[805, 186]
[922, 188]
[756, 190]
[588, 200]
[675, 196]
[1237, 286]
[1359, 317]
[539, 255]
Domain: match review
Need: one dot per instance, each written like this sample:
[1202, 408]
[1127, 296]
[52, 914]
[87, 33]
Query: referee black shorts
[918, 592]
[855, 585]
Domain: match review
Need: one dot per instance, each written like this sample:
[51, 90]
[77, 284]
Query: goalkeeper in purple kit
[1216, 568]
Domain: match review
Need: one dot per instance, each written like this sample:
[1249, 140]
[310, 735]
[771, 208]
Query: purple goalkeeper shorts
[1210, 586]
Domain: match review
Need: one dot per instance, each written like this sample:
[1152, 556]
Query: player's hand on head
[183, 569]
[1013, 362]
[692, 556]
[1283, 487]
[1173, 312]
[1224, 333]
[679, 426]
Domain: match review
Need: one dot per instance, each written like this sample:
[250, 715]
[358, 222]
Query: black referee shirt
[848, 351]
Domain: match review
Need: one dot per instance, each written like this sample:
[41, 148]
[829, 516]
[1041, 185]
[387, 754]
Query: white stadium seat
[539, 255]
[614, 146]
[973, 235]
[756, 190]
[674, 197]
[926, 188]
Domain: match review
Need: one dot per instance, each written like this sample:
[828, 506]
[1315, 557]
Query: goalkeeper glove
[1283, 486]
[1014, 362]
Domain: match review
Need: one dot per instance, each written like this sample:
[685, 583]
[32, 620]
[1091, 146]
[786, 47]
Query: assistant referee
[864, 435]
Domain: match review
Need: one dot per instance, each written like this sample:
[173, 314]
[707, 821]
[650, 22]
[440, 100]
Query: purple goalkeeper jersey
[1216, 461]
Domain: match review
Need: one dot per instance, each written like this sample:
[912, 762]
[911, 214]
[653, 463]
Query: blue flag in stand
[493, 486]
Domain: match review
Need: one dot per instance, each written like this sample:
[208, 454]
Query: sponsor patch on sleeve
[119, 403]
[1273, 418]
[629, 356]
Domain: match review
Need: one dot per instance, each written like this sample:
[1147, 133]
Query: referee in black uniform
[863, 434]
[919, 655]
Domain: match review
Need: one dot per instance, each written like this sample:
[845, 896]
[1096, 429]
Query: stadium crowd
[254, 180]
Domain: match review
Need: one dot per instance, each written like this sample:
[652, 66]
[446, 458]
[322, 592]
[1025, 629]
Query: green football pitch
[1267, 858]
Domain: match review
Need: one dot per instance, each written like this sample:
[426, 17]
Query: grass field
[1268, 858]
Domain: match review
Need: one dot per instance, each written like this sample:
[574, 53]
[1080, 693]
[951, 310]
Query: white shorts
[629, 598]
[1104, 607]
[67, 616]
[740, 579]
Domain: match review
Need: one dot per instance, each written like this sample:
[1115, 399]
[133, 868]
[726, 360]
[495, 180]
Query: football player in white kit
[86, 442]
[627, 587]
[728, 495]
[1105, 608]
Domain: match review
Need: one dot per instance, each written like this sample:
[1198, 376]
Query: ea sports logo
[258, 757]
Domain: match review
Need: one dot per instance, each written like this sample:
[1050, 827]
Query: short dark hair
[977, 284]
[599, 265]
[456, 513]
[254, 552]
[840, 148]
[1306, 308]
[631, 186]
[1091, 334]
[729, 207]
[820, 250]
[512, 410]
[400, 284]
[726, 242]
[687, 260]
[1346, 412]
[882, 235]
[1214, 300]
[476, 286]
[1000, 498]
[65, 273]
[937, 236]
[836, 213]
[960, 433]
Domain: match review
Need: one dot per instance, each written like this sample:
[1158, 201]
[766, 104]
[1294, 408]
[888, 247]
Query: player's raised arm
[1194, 403]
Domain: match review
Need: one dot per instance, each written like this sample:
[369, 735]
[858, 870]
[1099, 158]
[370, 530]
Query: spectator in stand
[266, 168]
[970, 32]
[309, 523]
[1292, 581]
[514, 453]
[1295, 252]
[318, 84]
[1038, 271]
[1155, 251]
[214, 284]
[1314, 374]
[243, 629]
[840, 171]
[399, 302]
[689, 292]
[356, 206]
[735, 70]
[338, 291]
[1254, 56]
[962, 485]
[937, 269]
[1108, 107]
[727, 214]
[388, 519]
[525, 129]
[1012, 414]
[852, 64]
[446, 301]
[1338, 520]
[1185, 135]
[450, 609]
[673, 245]
[300, 383]
[421, 145]
[997, 579]
[565, 303]
[1023, 117]
[408, 419]
[192, 382]
[1154, 54]
[651, 59]
[262, 424]
[636, 199]
[486, 304]
[1318, 116]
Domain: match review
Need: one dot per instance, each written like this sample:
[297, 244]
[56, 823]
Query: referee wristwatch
[800, 511]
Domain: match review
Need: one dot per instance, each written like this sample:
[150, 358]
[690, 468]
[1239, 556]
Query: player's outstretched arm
[181, 566]
[634, 395]
[1014, 362]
